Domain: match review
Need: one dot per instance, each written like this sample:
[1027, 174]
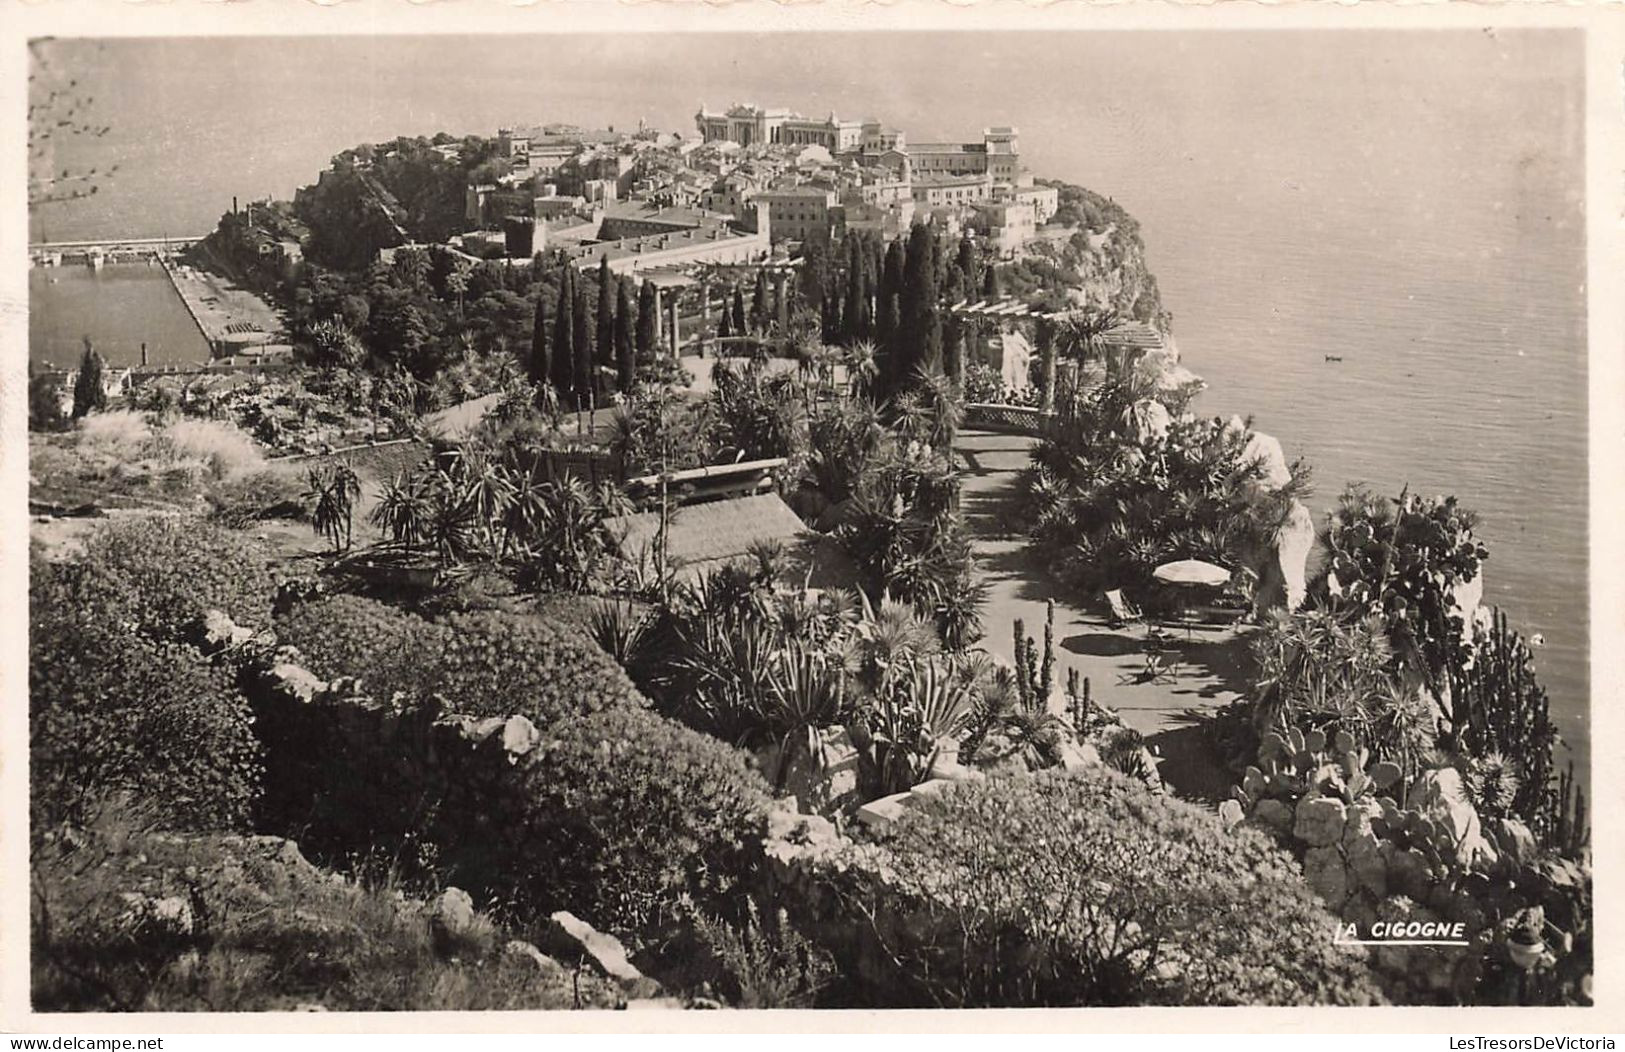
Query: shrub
[113, 712]
[240, 502]
[229, 452]
[122, 430]
[503, 664]
[764, 965]
[1323, 668]
[164, 571]
[486, 663]
[390, 650]
[1406, 557]
[622, 813]
[1086, 889]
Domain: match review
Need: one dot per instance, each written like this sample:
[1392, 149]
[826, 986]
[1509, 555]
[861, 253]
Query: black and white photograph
[804, 518]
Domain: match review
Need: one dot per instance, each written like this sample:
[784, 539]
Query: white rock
[569, 936]
[879, 814]
[1265, 451]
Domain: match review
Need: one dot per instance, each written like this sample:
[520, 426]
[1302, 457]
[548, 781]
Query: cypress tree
[648, 330]
[89, 394]
[739, 312]
[920, 335]
[626, 360]
[852, 317]
[759, 309]
[586, 380]
[812, 283]
[992, 287]
[888, 317]
[953, 348]
[564, 354]
[967, 264]
[605, 318]
[540, 366]
[725, 326]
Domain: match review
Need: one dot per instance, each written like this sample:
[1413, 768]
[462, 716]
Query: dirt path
[1019, 584]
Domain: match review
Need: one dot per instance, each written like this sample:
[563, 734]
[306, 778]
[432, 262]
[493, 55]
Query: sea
[1372, 243]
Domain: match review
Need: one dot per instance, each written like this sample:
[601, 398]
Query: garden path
[1019, 584]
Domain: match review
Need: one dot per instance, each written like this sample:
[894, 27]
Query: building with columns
[750, 125]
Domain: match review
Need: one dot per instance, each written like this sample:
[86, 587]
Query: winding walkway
[1019, 583]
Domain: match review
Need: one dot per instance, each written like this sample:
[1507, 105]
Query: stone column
[672, 326]
[780, 307]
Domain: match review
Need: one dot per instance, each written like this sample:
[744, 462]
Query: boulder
[1318, 820]
[547, 966]
[1366, 865]
[822, 784]
[879, 814]
[1514, 839]
[1439, 795]
[455, 926]
[1274, 814]
[170, 914]
[1408, 873]
[931, 787]
[947, 769]
[1283, 577]
[1265, 451]
[793, 837]
[1324, 870]
[570, 938]
[215, 632]
[519, 736]
[295, 683]
[1075, 756]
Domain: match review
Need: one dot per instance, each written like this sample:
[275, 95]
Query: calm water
[1411, 202]
[118, 307]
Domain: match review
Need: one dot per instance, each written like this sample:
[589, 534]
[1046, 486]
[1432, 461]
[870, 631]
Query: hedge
[487, 663]
[115, 712]
[1087, 889]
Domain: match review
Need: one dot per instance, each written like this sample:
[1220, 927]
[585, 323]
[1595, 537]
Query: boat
[1334, 357]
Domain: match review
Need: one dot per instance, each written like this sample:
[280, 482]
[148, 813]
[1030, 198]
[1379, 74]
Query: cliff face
[1093, 256]
[1115, 276]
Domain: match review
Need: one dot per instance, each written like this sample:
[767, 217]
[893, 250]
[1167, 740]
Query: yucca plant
[332, 494]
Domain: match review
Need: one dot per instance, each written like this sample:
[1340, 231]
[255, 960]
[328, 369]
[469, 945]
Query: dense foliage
[1406, 558]
[486, 663]
[622, 814]
[163, 572]
[116, 711]
[1114, 494]
[1086, 889]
